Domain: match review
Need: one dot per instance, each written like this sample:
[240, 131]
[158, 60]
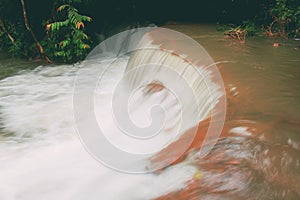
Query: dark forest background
[67, 29]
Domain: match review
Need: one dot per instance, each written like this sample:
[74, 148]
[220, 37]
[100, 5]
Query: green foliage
[22, 46]
[285, 16]
[251, 28]
[224, 27]
[247, 29]
[280, 18]
[66, 39]
[16, 48]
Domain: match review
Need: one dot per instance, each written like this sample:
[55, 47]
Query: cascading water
[40, 155]
[42, 159]
[256, 157]
[188, 93]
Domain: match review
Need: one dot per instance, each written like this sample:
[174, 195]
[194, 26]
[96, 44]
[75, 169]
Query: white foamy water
[42, 157]
[45, 113]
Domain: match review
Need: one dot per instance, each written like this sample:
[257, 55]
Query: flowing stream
[257, 157]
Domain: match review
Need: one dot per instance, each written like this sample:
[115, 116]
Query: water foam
[41, 155]
[42, 158]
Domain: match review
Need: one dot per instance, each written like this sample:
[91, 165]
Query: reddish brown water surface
[258, 154]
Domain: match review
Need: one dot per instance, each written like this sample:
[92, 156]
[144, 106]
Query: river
[257, 157]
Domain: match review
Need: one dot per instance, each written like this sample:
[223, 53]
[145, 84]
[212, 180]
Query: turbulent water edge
[43, 159]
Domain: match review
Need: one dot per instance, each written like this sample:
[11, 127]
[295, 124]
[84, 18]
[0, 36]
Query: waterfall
[142, 88]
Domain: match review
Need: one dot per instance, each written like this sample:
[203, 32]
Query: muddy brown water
[258, 156]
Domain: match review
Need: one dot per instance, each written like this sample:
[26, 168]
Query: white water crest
[41, 155]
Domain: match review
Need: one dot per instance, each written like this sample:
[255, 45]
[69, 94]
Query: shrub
[285, 15]
[66, 39]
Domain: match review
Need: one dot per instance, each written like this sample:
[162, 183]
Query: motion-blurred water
[42, 158]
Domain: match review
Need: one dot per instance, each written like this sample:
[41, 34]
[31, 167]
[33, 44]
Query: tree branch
[6, 32]
[41, 50]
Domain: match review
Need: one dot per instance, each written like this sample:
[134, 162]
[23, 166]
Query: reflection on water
[258, 156]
